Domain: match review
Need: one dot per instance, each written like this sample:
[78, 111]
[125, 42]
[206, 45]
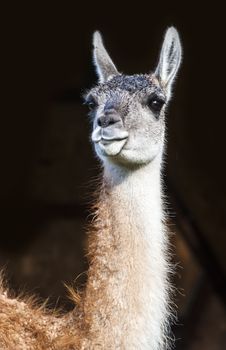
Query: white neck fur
[127, 284]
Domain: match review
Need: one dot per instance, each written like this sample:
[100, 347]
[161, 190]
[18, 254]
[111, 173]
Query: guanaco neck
[126, 295]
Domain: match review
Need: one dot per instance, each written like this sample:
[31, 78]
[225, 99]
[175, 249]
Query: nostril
[112, 121]
[107, 120]
[101, 121]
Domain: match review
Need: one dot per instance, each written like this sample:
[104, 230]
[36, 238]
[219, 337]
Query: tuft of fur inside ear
[170, 59]
[104, 65]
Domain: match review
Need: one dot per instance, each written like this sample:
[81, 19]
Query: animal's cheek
[132, 121]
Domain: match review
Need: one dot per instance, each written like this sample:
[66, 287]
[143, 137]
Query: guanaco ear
[170, 59]
[104, 65]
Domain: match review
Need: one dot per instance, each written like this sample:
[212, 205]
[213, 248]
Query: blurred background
[47, 162]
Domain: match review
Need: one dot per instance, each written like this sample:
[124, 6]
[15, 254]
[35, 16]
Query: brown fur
[24, 325]
[92, 323]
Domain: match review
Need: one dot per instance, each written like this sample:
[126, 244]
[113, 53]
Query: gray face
[127, 114]
[128, 111]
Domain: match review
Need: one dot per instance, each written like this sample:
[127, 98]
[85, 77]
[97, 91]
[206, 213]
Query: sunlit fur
[126, 302]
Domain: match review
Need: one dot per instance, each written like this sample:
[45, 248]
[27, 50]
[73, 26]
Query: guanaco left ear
[104, 65]
[170, 59]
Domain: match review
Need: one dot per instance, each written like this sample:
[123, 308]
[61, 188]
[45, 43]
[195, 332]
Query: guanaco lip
[113, 139]
[104, 138]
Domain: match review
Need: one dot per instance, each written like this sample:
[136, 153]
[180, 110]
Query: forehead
[129, 83]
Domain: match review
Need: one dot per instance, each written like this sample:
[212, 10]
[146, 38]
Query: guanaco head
[127, 111]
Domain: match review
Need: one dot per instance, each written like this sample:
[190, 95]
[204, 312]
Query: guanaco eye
[155, 103]
[91, 103]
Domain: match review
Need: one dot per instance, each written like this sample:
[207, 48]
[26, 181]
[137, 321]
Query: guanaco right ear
[170, 59]
[104, 65]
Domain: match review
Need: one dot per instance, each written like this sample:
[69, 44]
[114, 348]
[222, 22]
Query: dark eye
[155, 103]
[91, 103]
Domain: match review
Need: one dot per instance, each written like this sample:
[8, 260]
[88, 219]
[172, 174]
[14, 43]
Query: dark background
[47, 162]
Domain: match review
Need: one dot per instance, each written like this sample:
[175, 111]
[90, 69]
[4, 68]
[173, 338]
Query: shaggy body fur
[126, 293]
[125, 304]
